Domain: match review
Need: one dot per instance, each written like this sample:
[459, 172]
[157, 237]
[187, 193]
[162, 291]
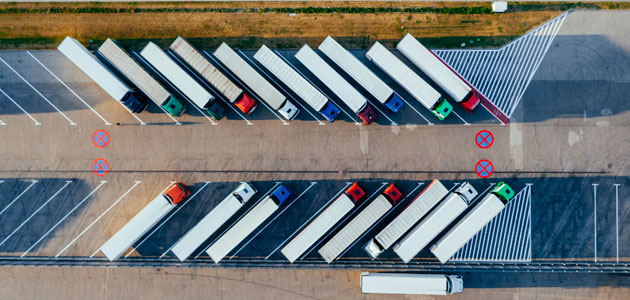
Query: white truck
[267, 92]
[361, 74]
[101, 75]
[248, 223]
[411, 284]
[296, 83]
[323, 223]
[213, 221]
[211, 74]
[420, 206]
[428, 229]
[327, 75]
[141, 223]
[445, 77]
[118, 58]
[409, 80]
[360, 223]
[165, 65]
[475, 220]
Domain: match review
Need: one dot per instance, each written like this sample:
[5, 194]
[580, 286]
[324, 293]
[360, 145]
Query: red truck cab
[246, 104]
[393, 193]
[355, 192]
[176, 193]
[471, 103]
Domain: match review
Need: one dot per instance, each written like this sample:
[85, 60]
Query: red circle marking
[100, 138]
[100, 167]
[484, 168]
[484, 139]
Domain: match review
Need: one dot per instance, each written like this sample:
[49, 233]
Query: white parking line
[67, 87]
[414, 109]
[174, 88]
[20, 107]
[315, 86]
[36, 211]
[595, 218]
[2, 123]
[37, 91]
[382, 113]
[274, 218]
[62, 219]
[280, 87]
[456, 114]
[97, 219]
[260, 199]
[18, 197]
[309, 220]
[211, 88]
[226, 71]
[617, 217]
[343, 222]
[168, 218]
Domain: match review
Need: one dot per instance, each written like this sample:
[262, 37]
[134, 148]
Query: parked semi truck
[248, 223]
[141, 223]
[209, 72]
[164, 64]
[213, 221]
[420, 206]
[360, 223]
[431, 65]
[411, 284]
[467, 227]
[118, 58]
[99, 73]
[296, 83]
[361, 74]
[267, 92]
[323, 223]
[409, 80]
[435, 222]
[348, 94]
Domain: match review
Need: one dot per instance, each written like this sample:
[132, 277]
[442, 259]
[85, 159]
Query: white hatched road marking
[97, 219]
[37, 91]
[67, 87]
[62, 219]
[18, 197]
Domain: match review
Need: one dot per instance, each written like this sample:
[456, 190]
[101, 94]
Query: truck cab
[217, 110]
[392, 193]
[281, 194]
[330, 111]
[467, 192]
[367, 115]
[174, 106]
[442, 109]
[135, 102]
[455, 284]
[176, 193]
[471, 102]
[289, 110]
[503, 191]
[394, 103]
[244, 192]
[355, 192]
[246, 104]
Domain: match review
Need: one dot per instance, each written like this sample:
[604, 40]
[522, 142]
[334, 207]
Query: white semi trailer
[475, 220]
[101, 75]
[435, 222]
[431, 65]
[420, 206]
[327, 75]
[296, 83]
[256, 82]
[409, 80]
[213, 221]
[360, 223]
[361, 74]
[118, 58]
[411, 284]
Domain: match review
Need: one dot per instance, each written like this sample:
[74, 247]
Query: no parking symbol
[100, 138]
[484, 168]
[484, 139]
[100, 167]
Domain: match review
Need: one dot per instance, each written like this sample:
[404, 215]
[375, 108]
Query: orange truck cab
[176, 193]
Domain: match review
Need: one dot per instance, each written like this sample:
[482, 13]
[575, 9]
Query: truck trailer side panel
[139, 225]
[410, 284]
[316, 229]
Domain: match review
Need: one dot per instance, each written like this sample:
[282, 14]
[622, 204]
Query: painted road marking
[168, 218]
[274, 218]
[315, 86]
[226, 71]
[484, 139]
[309, 220]
[62, 219]
[36, 211]
[211, 88]
[595, 218]
[37, 91]
[97, 219]
[381, 112]
[244, 214]
[18, 197]
[414, 109]
[100, 138]
[67, 87]
[20, 107]
[287, 94]
[484, 168]
[457, 115]
[343, 222]
[2, 123]
[100, 167]
[617, 217]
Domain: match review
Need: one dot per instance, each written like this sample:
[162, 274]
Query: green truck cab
[442, 109]
[503, 191]
[174, 106]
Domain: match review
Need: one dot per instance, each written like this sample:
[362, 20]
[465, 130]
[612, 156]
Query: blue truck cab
[394, 103]
[330, 111]
[281, 194]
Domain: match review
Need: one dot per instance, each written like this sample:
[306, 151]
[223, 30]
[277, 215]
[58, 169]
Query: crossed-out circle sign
[484, 139]
[100, 138]
[100, 167]
[484, 168]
